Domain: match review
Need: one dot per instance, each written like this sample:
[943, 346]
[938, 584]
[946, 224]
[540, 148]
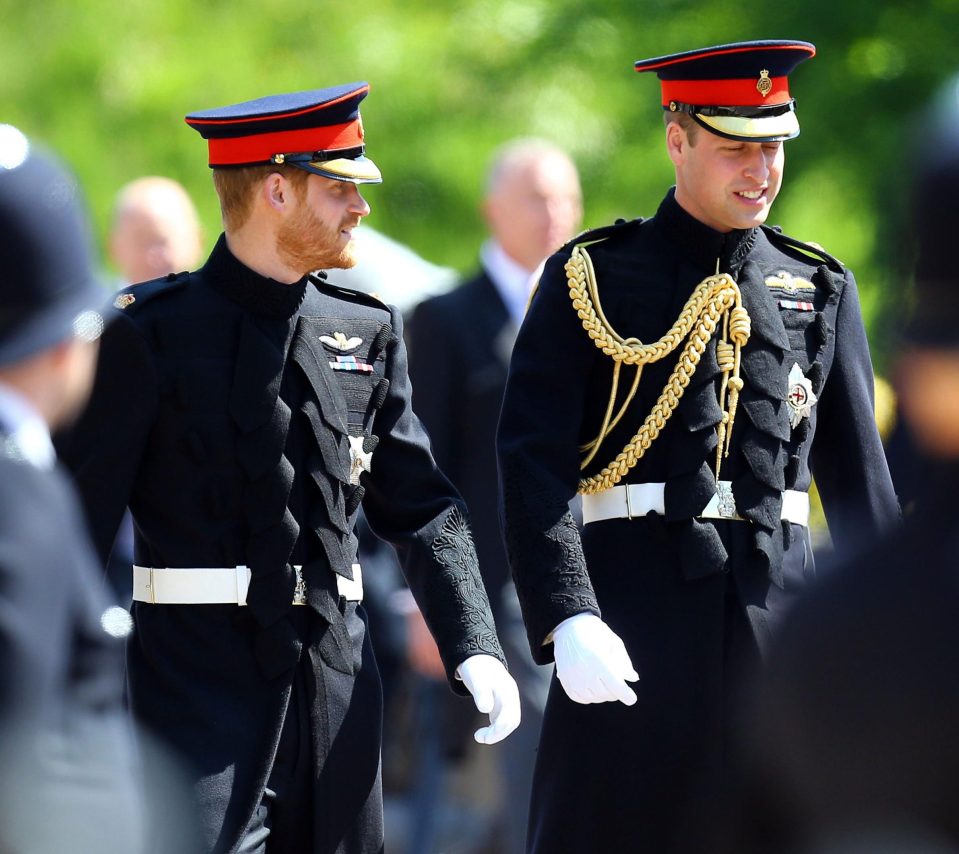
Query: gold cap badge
[764, 85]
[123, 300]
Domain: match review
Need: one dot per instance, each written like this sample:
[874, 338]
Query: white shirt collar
[26, 432]
[513, 282]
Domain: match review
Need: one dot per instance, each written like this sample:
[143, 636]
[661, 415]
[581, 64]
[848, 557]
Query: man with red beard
[243, 412]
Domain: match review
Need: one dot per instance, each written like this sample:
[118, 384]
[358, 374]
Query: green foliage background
[107, 85]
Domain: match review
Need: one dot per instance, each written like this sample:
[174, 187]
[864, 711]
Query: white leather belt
[633, 500]
[219, 585]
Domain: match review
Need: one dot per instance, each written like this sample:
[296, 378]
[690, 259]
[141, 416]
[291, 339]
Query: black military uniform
[692, 574]
[68, 778]
[243, 421]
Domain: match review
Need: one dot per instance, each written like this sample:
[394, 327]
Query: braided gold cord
[715, 298]
[592, 448]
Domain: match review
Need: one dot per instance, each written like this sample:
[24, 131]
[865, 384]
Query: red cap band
[725, 93]
[259, 148]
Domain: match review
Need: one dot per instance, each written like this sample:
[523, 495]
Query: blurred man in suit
[460, 345]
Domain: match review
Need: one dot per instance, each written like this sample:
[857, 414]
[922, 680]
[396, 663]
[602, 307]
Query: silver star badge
[800, 396]
[360, 460]
[338, 341]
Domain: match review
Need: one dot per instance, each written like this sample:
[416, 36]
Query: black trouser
[283, 821]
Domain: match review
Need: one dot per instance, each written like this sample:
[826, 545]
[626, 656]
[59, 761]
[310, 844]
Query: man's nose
[757, 165]
[358, 204]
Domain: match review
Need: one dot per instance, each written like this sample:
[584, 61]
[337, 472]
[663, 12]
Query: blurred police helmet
[48, 289]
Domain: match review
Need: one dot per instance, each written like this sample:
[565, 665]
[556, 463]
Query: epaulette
[320, 282]
[814, 249]
[592, 235]
[138, 294]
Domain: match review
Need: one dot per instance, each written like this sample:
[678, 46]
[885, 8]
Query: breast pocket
[800, 318]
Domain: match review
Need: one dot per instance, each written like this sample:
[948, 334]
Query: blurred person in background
[155, 230]
[852, 745]
[687, 374]
[243, 412]
[460, 345]
[68, 775]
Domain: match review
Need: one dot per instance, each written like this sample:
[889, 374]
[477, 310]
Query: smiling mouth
[751, 195]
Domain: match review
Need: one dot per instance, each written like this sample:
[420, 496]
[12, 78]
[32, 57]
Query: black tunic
[691, 598]
[222, 417]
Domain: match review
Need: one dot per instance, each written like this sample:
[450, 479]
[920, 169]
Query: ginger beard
[306, 243]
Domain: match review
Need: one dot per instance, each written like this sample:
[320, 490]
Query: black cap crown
[738, 90]
[319, 130]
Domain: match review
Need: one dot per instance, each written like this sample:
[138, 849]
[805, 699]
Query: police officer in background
[852, 743]
[252, 407]
[687, 374]
[67, 769]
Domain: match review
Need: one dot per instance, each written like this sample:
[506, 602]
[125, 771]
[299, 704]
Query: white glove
[494, 691]
[592, 664]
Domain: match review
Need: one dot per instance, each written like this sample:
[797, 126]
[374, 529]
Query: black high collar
[701, 244]
[251, 291]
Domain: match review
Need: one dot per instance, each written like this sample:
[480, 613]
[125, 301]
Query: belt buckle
[723, 503]
[153, 589]
[726, 504]
[299, 591]
[629, 506]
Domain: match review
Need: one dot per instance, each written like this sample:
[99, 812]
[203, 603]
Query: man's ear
[276, 191]
[487, 209]
[59, 354]
[676, 142]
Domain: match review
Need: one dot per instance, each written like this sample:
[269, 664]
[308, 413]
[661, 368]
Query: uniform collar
[27, 435]
[251, 291]
[700, 243]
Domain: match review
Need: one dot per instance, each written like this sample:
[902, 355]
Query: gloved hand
[494, 691]
[592, 664]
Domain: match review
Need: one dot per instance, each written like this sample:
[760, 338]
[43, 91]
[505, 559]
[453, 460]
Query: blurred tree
[107, 84]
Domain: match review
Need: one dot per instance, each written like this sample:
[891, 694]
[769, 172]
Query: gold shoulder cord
[715, 298]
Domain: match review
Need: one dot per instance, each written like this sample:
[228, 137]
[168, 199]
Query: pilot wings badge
[338, 341]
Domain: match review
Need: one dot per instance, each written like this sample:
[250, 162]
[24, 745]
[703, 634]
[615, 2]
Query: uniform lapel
[310, 355]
